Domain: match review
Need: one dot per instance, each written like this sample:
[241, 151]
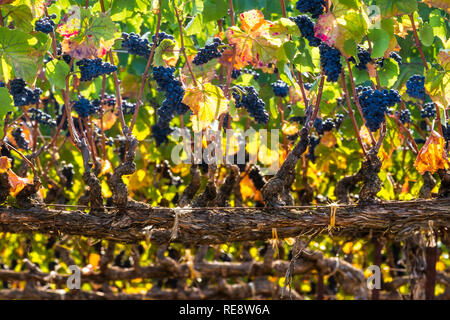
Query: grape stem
[230, 4]
[283, 8]
[125, 130]
[351, 114]
[302, 87]
[21, 155]
[418, 45]
[183, 49]
[68, 110]
[408, 134]
[147, 68]
[355, 96]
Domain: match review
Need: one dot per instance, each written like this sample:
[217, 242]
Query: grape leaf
[207, 103]
[391, 8]
[380, 42]
[56, 71]
[7, 104]
[388, 73]
[21, 15]
[15, 50]
[257, 42]
[214, 10]
[166, 54]
[86, 34]
[432, 156]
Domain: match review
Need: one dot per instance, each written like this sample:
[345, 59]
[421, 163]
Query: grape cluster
[45, 24]
[92, 68]
[330, 60]
[364, 58]
[306, 26]
[323, 126]
[338, 118]
[397, 58]
[128, 107]
[280, 88]
[84, 107]
[19, 138]
[257, 178]
[299, 119]
[375, 103]
[209, 52]
[237, 72]
[161, 36]
[68, 172]
[22, 95]
[134, 44]
[172, 104]
[174, 93]
[160, 132]
[42, 117]
[248, 97]
[428, 110]
[446, 131]
[415, 87]
[313, 143]
[308, 86]
[405, 116]
[315, 7]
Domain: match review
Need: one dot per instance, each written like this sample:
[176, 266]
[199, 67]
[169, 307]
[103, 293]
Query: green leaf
[194, 26]
[288, 26]
[352, 4]
[56, 72]
[15, 50]
[166, 50]
[350, 48]
[7, 104]
[391, 8]
[214, 10]
[426, 34]
[21, 15]
[380, 42]
[285, 73]
[389, 73]
[97, 28]
[290, 49]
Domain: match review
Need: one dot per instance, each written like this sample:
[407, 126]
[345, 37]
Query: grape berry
[248, 97]
[92, 68]
[280, 88]
[209, 52]
[330, 60]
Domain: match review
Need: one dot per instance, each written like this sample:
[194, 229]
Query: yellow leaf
[328, 139]
[256, 42]
[365, 136]
[109, 119]
[207, 102]
[94, 260]
[248, 189]
[432, 156]
[290, 128]
[347, 248]
[106, 167]
[16, 183]
[5, 164]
